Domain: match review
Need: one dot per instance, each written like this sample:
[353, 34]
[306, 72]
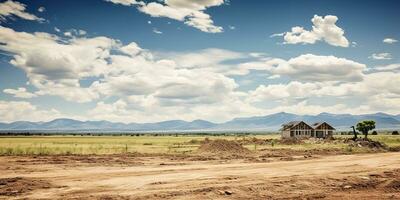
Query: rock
[228, 192]
[347, 187]
[225, 192]
[365, 178]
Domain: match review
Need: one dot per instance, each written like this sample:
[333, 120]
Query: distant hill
[271, 122]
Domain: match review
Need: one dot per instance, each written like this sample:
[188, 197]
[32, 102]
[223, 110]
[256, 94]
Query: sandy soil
[362, 176]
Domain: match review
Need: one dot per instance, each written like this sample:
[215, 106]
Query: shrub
[395, 133]
[374, 133]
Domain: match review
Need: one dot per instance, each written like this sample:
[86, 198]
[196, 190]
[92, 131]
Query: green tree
[365, 126]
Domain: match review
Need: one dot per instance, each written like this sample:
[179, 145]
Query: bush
[395, 133]
[374, 133]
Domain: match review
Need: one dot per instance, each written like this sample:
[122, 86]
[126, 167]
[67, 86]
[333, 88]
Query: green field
[180, 144]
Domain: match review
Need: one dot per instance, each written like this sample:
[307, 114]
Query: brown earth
[221, 146]
[362, 176]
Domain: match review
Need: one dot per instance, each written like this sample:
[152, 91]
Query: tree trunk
[366, 135]
[355, 133]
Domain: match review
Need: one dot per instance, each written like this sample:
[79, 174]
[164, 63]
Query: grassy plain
[180, 144]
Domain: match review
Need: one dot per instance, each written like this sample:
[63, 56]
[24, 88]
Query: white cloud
[57, 29]
[231, 27]
[277, 35]
[206, 58]
[389, 40]
[311, 67]
[126, 2]
[276, 76]
[56, 67]
[324, 29]
[41, 9]
[308, 67]
[13, 8]
[131, 49]
[391, 67]
[148, 86]
[81, 32]
[294, 89]
[20, 93]
[378, 90]
[381, 56]
[25, 111]
[68, 34]
[155, 30]
[191, 12]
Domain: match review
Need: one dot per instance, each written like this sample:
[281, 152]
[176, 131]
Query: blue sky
[145, 61]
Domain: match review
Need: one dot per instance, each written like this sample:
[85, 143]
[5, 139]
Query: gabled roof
[292, 124]
[318, 124]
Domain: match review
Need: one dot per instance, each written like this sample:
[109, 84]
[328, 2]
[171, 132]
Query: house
[296, 129]
[322, 130]
[299, 129]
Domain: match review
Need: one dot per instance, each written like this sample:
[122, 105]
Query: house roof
[318, 124]
[291, 124]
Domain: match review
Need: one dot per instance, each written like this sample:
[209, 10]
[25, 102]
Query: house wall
[325, 130]
[285, 134]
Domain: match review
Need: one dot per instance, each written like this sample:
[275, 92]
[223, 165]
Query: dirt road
[372, 176]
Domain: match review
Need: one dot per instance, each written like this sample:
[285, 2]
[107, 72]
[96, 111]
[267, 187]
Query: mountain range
[271, 122]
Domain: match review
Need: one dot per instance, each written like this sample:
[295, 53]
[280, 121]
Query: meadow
[177, 144]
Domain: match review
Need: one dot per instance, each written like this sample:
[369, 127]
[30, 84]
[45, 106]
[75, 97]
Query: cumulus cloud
[389, 40]
[131, 84]
[381, 56]
[378, 90]
[294, 89]
[20, 93]
[323, 29]
[321, 68]
[191, 12]
[55, 66]
[11, 8]
[206, 58]
[307, 67]
[391, 67]
[25, 111]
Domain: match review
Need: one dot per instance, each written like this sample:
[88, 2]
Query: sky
[148, 61]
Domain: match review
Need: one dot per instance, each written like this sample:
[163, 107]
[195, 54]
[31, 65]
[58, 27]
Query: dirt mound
[18, 185]
[222, 146]
[366, 143]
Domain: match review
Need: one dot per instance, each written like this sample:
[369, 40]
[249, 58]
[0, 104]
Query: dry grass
[77, 145]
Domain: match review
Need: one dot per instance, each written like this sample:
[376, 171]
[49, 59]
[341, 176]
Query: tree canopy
[365, 126]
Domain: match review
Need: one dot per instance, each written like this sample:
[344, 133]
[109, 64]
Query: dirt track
[372, 176]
